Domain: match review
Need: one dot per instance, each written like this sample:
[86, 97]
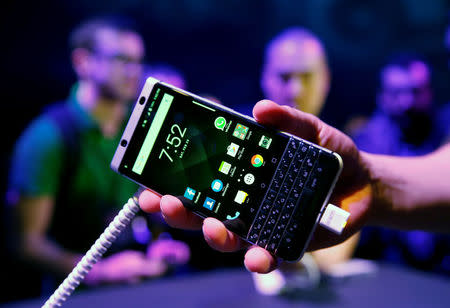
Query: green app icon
[220, 123]
[240, 131]
[224, 167]
[265, 142]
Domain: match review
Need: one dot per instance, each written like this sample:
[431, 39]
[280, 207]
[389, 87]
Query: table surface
[388, 286]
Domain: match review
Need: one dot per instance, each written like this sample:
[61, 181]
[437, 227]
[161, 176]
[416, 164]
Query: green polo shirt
[95, 192]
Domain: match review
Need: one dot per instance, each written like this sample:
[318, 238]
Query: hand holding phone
[266, 186]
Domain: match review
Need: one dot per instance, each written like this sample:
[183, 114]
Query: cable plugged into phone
[334, 219]
[120, 222]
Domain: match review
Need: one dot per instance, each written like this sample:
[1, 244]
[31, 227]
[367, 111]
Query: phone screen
[216, 162]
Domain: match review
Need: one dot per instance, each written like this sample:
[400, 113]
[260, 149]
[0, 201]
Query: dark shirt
[95, 194]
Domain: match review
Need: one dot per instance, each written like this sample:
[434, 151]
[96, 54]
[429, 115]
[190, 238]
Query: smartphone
[267, 186]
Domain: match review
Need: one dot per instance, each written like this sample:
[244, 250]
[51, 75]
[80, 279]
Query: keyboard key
[293, 227]
[311, 158]
[272, 246]
[279, 175]
[279, 203]
[281, 225]
[290, 204]
[314, 152]
[253, 235]
[276, 185]
[285, 189]
[294, 144]
[274, 241]
[312, 182]
[304, 148]
[300, 182]
[265, 208]
[262, 242]
[290, 179]
[295, 192]
[270, 224]
[271, 195]
[276, 211]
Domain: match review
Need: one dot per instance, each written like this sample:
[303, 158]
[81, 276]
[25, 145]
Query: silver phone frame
[132, 123]
[136, 115]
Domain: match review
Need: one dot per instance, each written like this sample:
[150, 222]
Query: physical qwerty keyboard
[283, 222]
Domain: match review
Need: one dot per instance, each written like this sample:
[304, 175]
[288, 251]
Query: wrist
[378, 199]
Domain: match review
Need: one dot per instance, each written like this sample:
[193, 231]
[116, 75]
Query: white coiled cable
[97, 250]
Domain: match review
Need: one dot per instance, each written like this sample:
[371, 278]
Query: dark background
[219, 47]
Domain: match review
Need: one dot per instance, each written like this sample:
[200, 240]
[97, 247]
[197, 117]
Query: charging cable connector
[334, 219]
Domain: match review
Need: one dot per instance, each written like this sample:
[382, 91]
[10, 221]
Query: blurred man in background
[295, 71]
[296, 74]
[405, 123]
[61, 187]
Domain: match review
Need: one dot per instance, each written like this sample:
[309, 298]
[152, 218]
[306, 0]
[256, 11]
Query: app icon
[233, 217]
[265, 142]
[220, 123]
[232, 149]
[189, 193]
[257, 160]
[240, 131]
[225, 167]
[209, 203]
[216, 185]
[240, 197]
[249, 179]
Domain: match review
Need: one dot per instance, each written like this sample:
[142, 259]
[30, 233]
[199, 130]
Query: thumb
[306, 126]
[288, 119]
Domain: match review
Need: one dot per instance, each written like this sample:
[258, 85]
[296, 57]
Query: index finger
[149, 201]
[173, 211]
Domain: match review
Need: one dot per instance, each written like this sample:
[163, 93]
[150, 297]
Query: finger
[177, 215]
[219, 237]
[152, 268]
[259, 260]
[309, 127]
[149, 201]
[288, 119]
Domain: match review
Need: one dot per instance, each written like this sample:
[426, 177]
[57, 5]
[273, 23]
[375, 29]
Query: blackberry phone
[267, 186]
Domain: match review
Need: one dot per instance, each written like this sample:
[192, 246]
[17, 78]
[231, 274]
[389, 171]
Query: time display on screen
[174, 141]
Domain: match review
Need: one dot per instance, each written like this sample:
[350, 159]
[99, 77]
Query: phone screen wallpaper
[217, 163]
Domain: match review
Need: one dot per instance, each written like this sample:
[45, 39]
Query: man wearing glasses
[61, 186]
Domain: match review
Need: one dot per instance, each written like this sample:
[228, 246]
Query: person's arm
[35, 248]
[36, 165]
[411, 192]
[35, 214]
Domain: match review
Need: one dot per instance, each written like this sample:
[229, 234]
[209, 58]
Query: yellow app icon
[240, 197]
